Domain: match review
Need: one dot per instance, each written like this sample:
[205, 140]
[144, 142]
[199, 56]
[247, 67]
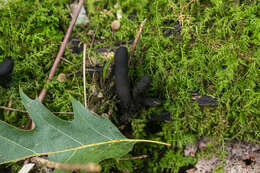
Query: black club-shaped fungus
[207, 101]
[121, 77]
[131, 100]
[141, 86]
[6, 69]
[151, 102]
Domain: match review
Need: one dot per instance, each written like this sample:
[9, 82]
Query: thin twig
[84, 74]
[12, 109]
[90, 167]
[90, 69]
[67, 61]
[9, 105]
[137, 37]
[91, 45]
[135, 158]
[186, 5]
[62, 48]
[23, 111]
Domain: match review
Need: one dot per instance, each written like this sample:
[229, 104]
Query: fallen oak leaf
[87, 138]
[63, 141]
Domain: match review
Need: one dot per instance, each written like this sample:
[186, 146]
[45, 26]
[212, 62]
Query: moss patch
[209, 47]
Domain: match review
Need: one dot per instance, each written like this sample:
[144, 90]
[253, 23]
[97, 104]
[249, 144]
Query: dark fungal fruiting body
[6, 69]
[207, 101]
[121, 78]
[138, 94]
[174, 28]
[204, 100]
[141, 86]
[75, 45]
[130, 100]
[151, 102]
[163, 116]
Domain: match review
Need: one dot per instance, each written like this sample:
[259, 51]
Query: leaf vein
[17, 144]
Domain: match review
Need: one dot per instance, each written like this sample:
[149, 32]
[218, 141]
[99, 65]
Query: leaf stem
[90, 167]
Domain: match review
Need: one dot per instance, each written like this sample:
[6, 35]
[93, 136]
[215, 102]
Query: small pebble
[100, 95]
[61, 77]
[91, 32]
[115, 25]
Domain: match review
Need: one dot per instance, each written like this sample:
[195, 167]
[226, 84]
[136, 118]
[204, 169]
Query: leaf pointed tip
[73, 101]
[21, 91]
[22, 94]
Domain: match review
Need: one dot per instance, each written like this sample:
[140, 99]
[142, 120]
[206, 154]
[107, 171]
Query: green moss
[215, 34]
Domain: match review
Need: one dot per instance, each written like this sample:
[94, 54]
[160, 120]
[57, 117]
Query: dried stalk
[90, 167]
[9, 105]
[12, 109]
[84, 75]
[62, 48]
[134, 158]
[67, 61]
[137, 37]
[91, 45]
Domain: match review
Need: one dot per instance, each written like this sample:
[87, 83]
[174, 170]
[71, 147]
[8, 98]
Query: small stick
[91, 45]
[62, 48]
[67, 61]
[134, 158]
[90, 167]
[137, 37]
[23, 111]
[84, 75]
[12, 109]
[9, 105]
[87, 69]
[186, 5]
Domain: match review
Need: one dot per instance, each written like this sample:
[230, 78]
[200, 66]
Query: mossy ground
[216, 53]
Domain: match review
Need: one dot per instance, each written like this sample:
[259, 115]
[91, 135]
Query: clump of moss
[208, 47]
